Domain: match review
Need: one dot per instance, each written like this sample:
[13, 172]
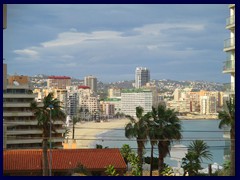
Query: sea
[206, 130]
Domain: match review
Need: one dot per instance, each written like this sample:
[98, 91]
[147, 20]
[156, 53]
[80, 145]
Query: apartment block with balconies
[22, 130]
[229, 48]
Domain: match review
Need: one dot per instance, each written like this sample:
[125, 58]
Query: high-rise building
[58, 82]
[142, 77]
[133, 98]
[91, 81]
[229, 48]
[21, 124]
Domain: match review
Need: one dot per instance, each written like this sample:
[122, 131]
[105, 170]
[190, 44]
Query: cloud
[72, 38]
[27, 52]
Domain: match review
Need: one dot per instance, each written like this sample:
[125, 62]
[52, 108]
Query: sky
[174, 41]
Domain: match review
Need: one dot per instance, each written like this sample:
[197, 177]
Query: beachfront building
[208, 105]
[116, 102]
[58, 82]
[22, 127]
[133, 98]
[142, 76]
[91, 82]
[60, 94]
[229, 48]
[114, 92]
[88, 101]
[153, 89]
[107, 109]
[72, 104]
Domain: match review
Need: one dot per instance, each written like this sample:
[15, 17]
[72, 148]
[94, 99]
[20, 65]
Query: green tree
[125, 151]
[111, 171]
[168, 128]
[201, 149]
[227, 118]
[51, 107]
[197, 151]
[136, 166]
[138, 129]
[191, 163]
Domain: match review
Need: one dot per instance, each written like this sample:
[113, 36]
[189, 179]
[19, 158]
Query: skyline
[110, 41]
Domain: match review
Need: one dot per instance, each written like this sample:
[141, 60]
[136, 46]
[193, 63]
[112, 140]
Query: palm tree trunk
[140, 154]
[160, 162]
[73, 130]
[151, 160]
[45, 157]
[232, 155]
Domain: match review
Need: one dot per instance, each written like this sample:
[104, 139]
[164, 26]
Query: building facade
[22, 130]
[58, 82]
[91, 81]
[229, 48]
[131, 99]
[142, 76]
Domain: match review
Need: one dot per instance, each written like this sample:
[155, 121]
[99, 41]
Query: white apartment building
[72, 104]
[133, 98]
[142, 76]
[229, 48]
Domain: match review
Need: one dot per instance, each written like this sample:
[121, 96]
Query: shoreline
[87, 132]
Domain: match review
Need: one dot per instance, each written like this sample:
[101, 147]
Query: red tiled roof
[83, 87]
[58, 77]
[63, 159]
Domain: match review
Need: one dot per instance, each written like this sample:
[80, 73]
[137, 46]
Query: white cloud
[73, 38]
[27, 52]
[156, 29]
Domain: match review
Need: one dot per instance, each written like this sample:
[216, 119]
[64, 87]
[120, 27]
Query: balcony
[229, 44]
[16, 104]
[17, 113]
[229, 66]
[20, 122]
[230, 22]
[229, 88]
[9, 95]
[24, 131]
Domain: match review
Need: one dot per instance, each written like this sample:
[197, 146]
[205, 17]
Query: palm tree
[168, 128]
[197, 151]
[201, 149]
[42, 114]
[138, 129]
[227, 118]
[74, 121]
[152, 134]
[191, 164]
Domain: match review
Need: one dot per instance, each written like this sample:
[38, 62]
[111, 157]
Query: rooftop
[59, 77]
[62, 159]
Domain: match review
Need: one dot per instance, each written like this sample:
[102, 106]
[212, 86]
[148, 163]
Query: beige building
[91, 82]
[114, 92]
[58, 82]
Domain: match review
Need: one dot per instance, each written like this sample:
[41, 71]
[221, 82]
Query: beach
[86, 132]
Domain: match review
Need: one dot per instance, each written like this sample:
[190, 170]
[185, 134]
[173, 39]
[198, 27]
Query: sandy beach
[86, 132]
